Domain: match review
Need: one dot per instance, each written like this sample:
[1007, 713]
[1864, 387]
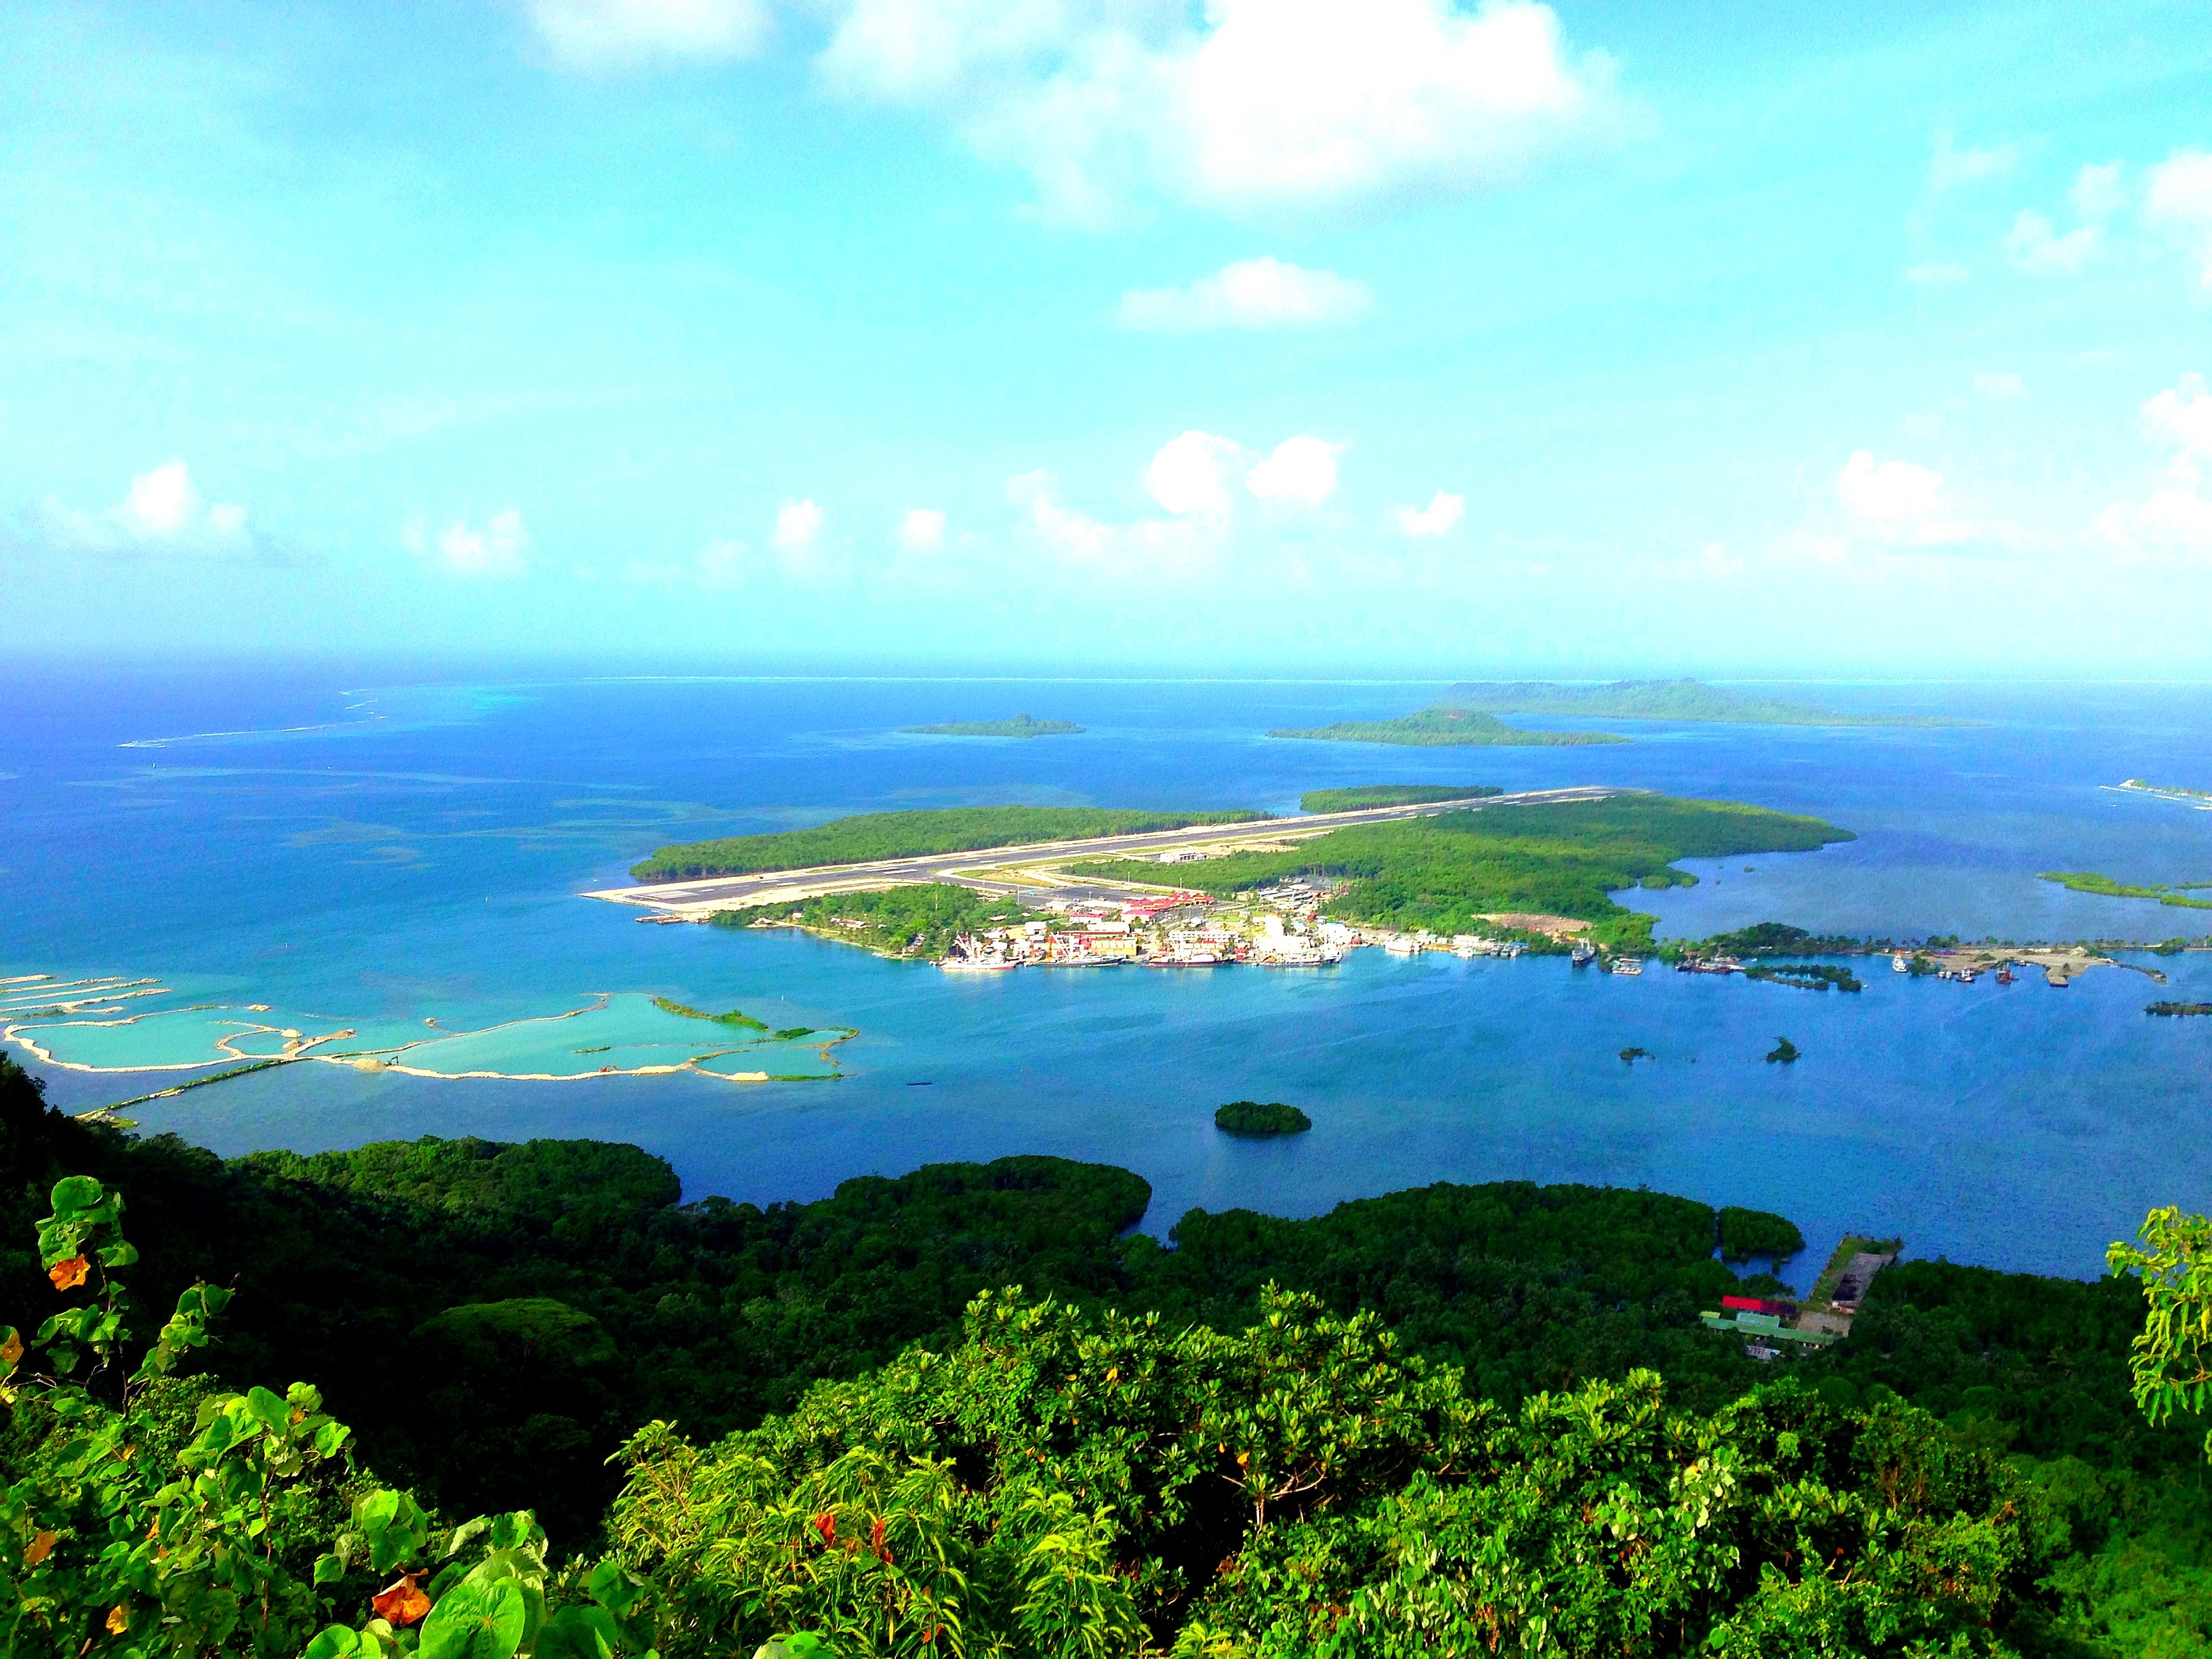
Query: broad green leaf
[477, 1621]
[333, 1642]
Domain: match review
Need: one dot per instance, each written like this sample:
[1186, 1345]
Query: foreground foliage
[1059, 1484]
[906, 834]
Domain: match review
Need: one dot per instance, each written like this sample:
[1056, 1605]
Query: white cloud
[495, 553]
[2038, 250]
[797, 524]
[1937, 272]
[2177, 516]
[1951, 167]
[1167, 547]
[602, 34]
[1190, 474]
[160, 513]
[1301, 470]
[1251, 104]
[923, 530]
[2179, 201]
[1442, 512]
[2098, 193]
[2001, 388]
[1900, 503]
[1264, 292]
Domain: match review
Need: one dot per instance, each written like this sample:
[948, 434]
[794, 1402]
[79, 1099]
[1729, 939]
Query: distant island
[1257, 1120]
[2201, 799]
[1022, 726]
[1441, 727]
[1657, 700]
[2088, 881]
[1391, 795]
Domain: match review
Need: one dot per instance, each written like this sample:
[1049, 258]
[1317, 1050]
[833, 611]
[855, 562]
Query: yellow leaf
[119, 1619]
[41, 1547]
[401, 1602]
[68, 1275]
[12, 1349]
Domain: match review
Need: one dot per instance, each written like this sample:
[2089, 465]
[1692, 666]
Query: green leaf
[334, 1642]
[270, 1410]
[75, 1193]
[121, 1253]
[328, 1569]
[477, 1621]
[613, 1589]
[579, 1633]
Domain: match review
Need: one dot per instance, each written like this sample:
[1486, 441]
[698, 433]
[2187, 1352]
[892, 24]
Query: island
[1257, 1120]
[1392, 794]
[1784, 1053]
[1021, 726]
[1680, 700]
[2178, 1010]
[2200, 798]
[2175, 894]
[1442, 727]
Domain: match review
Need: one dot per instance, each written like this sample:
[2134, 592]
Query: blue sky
[1278, 334]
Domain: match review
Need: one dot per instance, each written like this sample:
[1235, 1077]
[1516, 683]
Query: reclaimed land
[1447, 728]
[1391, 795]
[1659, 700]
[1021, 726]
[908, 835]
[1446, 874]
[2088, 881]
[600, 1302]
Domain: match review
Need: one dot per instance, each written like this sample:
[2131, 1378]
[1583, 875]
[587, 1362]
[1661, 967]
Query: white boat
[1897, 964]
[1402, 947]
[976, 965]
[1583, 954]
[1630, 966]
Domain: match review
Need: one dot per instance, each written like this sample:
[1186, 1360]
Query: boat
[1630, 966]
[976, 965]
[2005, 974]
[1402, 947]
[1583, 954]
[1898, 964]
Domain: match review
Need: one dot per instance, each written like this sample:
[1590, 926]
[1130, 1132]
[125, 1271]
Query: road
[1001, 869]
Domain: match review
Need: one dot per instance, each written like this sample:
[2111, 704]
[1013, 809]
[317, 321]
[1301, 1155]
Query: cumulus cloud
[2001, 388]
[1442, 512]
[1160, 546]
[2036, 248]
[162, 514]
[798, 524]
[1302, 471]
[1253, 104]
[1900, 503]
[1950, 166]
[1190, 474]
[2176, 517]
[615, 34]
[2178, 200]
[2098, 193]
[497, 552]
[923, 530]
[1251, 293]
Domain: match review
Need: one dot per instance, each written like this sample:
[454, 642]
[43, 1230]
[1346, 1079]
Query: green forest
[1445, 872]
[919, 921]
[1439, 728]
[1391, 795]
[1658, 700]
[908, 835]
[965, 1411]
[2088, 881]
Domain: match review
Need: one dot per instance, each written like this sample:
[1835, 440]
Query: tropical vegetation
[1021, 726]
[1391, 795]
[1430, 1423]
[1260, 1120]
[2088, 881]
[918, 921]
[1447, 873]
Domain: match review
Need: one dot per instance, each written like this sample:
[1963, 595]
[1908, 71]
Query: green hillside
[1444, 728]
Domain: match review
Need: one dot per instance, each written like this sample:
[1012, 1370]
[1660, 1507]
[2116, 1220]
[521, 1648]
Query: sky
[1255, 335]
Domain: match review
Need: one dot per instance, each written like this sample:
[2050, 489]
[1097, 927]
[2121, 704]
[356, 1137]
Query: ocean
[402, 852]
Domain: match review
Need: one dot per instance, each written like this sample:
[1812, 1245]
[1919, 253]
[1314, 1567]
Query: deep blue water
[412, 850]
